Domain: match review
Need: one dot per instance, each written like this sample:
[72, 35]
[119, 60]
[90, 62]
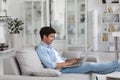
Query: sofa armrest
[106, 57]
[11, 66]
[78, 54]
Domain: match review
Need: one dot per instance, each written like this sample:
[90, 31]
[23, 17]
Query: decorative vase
[14, 41]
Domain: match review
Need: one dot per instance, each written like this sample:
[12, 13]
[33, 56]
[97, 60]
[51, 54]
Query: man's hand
[68, 62]
[73, 61]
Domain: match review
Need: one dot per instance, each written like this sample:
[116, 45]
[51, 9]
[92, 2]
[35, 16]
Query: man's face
[49, 39]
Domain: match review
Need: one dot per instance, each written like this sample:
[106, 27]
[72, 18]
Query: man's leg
[101, 68]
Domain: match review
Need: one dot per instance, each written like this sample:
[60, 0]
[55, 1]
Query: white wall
[15, 8]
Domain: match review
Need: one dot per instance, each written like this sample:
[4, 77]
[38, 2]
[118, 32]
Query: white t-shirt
[59, 60]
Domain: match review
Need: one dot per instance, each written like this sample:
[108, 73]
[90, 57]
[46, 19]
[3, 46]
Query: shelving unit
[35, 17]
[110, 21]
[76, 24]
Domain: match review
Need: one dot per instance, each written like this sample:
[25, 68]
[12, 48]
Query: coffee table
[113, 76]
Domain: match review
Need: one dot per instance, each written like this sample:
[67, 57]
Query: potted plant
[15, 28]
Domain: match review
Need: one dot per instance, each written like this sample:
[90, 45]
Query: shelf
[108, 51]
[35, 18]
[111, 41]
[8, 50]
[83, 12]
[78, 46]
[110, 18]
[76, 23]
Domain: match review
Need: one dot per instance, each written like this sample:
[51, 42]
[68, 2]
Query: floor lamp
[116, 35]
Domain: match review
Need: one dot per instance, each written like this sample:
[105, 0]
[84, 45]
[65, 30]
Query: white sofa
[12, 70]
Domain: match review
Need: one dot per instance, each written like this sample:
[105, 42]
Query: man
[50, 57]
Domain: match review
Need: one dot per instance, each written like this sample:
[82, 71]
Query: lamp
[3, 44]
[116, 35]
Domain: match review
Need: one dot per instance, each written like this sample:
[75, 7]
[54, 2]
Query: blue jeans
[90, 67]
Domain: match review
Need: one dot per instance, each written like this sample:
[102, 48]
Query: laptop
[80, 62]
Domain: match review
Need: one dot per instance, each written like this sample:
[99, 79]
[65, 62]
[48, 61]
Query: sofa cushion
[30, 63]
[63, 77]
[47, 72]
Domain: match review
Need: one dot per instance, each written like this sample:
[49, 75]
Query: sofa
[12, 69]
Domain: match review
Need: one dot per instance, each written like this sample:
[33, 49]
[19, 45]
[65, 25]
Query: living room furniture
[63, 77]
[76, 24]
[4, 54]
[116, 35]
[11, 69]
[110, 21]
[36, 16]
[70, 24]
[106, 57]
[111, 76]
[6, 51]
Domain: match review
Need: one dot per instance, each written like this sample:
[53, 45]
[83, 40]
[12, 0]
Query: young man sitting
[51, 58]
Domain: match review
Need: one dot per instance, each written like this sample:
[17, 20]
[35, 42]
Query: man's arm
[67, 63]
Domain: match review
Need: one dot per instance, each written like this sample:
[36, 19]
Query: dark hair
[46, 31]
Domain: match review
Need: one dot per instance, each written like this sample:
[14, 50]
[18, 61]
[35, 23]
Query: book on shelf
[110, 10]
[111, 28]
[105, 37]
[82, 7]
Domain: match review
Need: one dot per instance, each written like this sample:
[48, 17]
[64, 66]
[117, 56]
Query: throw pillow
[30, 63]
